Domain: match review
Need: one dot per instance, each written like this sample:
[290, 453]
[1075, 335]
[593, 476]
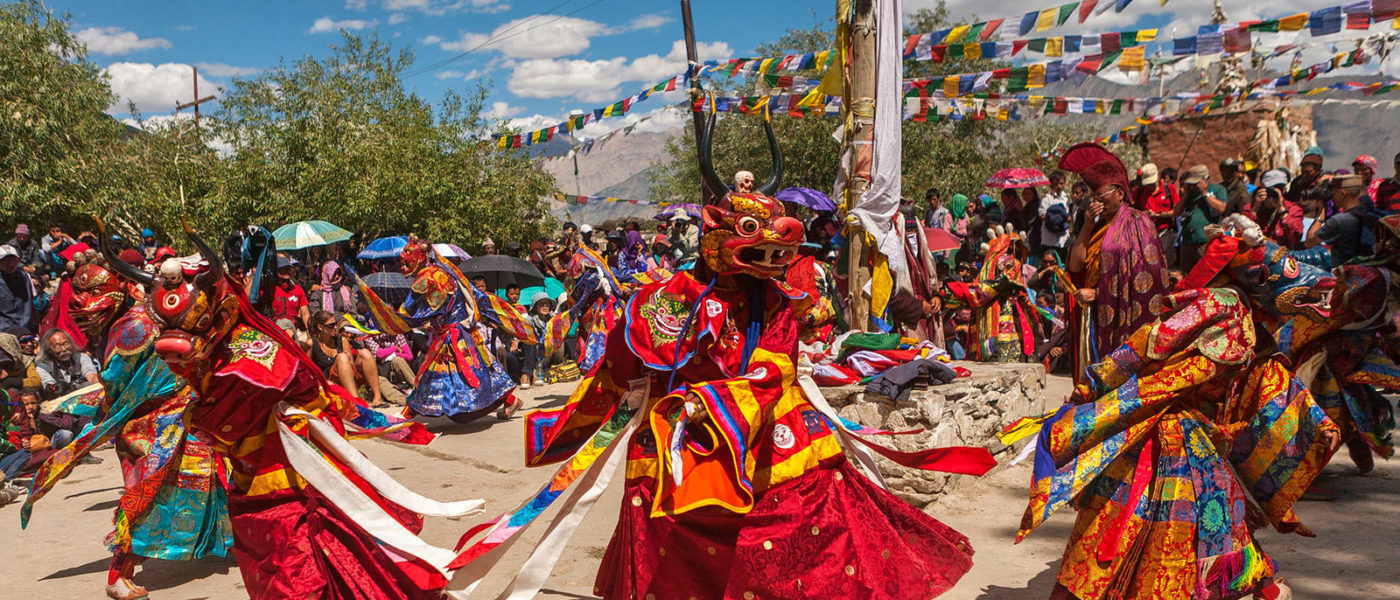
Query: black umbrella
[391, 287]
[501, 270]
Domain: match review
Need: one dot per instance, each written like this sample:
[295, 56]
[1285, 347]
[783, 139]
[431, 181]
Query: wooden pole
[692, 55]
[195, 103]
[858, 110]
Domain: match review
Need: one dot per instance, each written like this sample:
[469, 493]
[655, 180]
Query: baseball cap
[1148, 173]
[283, 261]
[7, 251]
[586, 228]
[1274, 178]
[23, 229]
[1195, 174]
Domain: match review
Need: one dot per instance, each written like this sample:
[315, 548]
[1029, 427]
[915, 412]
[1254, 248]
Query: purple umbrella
[807, 197]
[692, 210]
[1018, 178]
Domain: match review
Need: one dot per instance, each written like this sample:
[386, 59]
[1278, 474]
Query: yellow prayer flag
[1055, 46]
[765, 66]
[821, 58]
[956, 35]
[881, 280]
[1146, 35]
[950, 86]
[1003, 114]
[1037, 76]
[972, 51]
[1047, 19]
[832, 83]
[503, 141]
[1133, 59]
[1294, 23]
[813, 99]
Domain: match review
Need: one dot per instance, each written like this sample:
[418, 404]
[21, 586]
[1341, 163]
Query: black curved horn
[775, 178]
[115, 263]
[707, 160]
[208, 278]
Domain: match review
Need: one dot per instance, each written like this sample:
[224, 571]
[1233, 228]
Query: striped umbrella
[307, 234]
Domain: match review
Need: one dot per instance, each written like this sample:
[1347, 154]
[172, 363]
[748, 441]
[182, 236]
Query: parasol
[391, 287]
[385, 247]
[451, 251]
[940, 240]
[807, 197]
[1018, 178]
[691, 210]
[306, 234]
[501, 270]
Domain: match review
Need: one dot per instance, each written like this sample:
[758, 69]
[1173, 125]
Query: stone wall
[967, 412]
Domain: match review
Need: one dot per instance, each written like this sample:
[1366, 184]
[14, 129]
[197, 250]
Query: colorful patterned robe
[291, 539]
[1166, 446]
[174, 506]
[767, 505]
[460, 377]
[1004, 322]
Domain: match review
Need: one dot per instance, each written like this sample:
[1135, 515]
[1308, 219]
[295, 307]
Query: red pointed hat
[1096, 165]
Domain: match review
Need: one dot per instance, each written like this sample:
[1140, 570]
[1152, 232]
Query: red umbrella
[1018, 178]
[940, 240]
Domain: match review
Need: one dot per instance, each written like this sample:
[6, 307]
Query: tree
[53, 132]
[339, 138]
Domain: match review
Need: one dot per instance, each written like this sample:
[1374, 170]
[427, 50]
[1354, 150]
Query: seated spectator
[17, 370]
[38, 436]
[393, 352]
[288, 298]
[343, 359]
[27, 248]
[334, 296]
[62, 367]
[16, 293]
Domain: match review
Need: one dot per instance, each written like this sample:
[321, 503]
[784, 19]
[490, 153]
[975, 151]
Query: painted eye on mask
[748, 226]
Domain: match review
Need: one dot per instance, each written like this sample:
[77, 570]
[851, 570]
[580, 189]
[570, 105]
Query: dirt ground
[61, 554]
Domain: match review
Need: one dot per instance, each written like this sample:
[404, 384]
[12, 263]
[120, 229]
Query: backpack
[1057, 218]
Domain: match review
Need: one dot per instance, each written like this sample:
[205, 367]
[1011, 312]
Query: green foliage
[339, 138]
[954, 156]
[53, 133]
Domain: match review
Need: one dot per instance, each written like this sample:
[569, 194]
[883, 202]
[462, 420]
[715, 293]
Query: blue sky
[548, 56]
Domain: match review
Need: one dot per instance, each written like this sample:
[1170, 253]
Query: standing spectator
[1155, 197]
[685, 237]
[937, 216]
[62, 367]
[1387, 194]
[1348, 233]
[1365, 166]
[1236, 189]
[17, 293]
[1314, 204]
[26, 248]
[148, 245]
[288, 298]
[488, 247]
[585, 236]
[957, 215]
[1055, 217]
[1309, 174]
[1203, 203]
[513, 249]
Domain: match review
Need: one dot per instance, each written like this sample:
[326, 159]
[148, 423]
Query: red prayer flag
[991, 29]
[938, 52]
[910, 44]
[1017, 46]
[1085, 8]
[1111, 43]
[1001, 74]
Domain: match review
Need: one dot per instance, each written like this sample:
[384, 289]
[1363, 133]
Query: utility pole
[858, 114]
[196, 102]
[692, 56]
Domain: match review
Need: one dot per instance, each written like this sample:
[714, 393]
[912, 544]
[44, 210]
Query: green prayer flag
[955, 51]
[1117, 107]
[1017, 81]
[1127, 39]
[1066, 11]
[975, 32]
[1036, 45]
[1270, 26]
[1109, 59]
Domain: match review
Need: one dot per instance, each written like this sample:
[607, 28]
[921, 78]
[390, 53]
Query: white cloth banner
[877, 207]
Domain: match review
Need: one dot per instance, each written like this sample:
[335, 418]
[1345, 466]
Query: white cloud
[665, 118]
[114, 41]
[356, 4]
[599, 80]
[154, 89]
[397, 18]
[185, 28]
[649, 21]
[450, 74]
[223, 70]
[430, 40]
[501, 110]
[533, 122]
[328, 25]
